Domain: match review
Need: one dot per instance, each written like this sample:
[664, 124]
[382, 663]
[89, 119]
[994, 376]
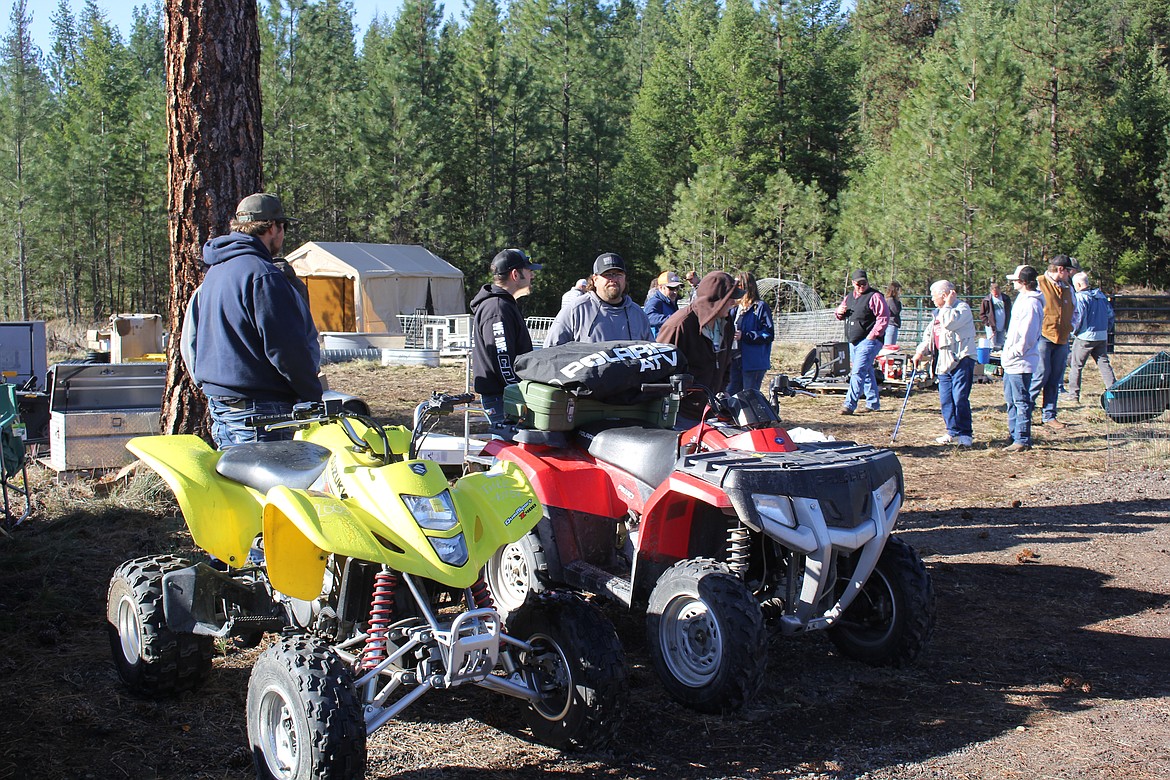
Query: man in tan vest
[1059, 321]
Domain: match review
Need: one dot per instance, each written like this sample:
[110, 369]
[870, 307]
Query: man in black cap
[499, 330]
[866, 316]
[248, 337]
[604, 312]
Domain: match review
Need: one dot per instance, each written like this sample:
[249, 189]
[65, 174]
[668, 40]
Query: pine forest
[799, 139]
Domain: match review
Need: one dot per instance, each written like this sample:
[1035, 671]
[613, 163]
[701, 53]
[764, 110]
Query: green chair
[13, 463]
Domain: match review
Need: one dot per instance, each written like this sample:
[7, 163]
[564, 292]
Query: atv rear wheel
[515, 571]
[151, 659]
[706, 635]
[892, 618]
[577, 662]
[304, 717]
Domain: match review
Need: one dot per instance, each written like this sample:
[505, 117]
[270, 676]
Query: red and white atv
[722, 533]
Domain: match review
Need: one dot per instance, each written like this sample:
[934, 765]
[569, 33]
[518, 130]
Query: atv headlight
[434, 513]
[778, 509]
[888, 492]
[452, 551]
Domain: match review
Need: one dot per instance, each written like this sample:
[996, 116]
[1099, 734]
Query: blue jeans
[1017, 395]
[954, 392]
[1048, 377]
[891, 337]
[861, 378]
[228, 416]
[738, 379]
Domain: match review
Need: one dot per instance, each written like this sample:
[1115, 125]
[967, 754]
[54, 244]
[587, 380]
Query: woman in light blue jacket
[751, 355]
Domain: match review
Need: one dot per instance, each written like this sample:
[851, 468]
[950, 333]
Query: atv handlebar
[325, 411]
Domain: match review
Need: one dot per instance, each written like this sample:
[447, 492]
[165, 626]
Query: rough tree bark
[214, 144]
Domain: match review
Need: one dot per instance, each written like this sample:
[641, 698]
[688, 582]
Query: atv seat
[648, 454]
[265, 464]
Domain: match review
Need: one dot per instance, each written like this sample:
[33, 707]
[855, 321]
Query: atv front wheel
[515, 571]
[151, 659]
[577, 663]
[892, 618]
[304, 717]
[706, 635]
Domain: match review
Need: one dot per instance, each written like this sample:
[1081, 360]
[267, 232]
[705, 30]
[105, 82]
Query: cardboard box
[96, 439]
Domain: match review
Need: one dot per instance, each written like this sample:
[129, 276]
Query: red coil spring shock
[481, 595]
[381, 616]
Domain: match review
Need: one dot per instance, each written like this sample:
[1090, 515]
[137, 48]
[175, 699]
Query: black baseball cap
[610, 261]
[858, 275]
[512, 260]
[1061, 261]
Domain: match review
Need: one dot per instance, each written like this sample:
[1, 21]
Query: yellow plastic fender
[301, 528]
[223, 516]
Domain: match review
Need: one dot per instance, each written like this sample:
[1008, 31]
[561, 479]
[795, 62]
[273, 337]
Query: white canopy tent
[362, 288]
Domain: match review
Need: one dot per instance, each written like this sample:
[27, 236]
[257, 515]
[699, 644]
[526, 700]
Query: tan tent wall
[366, 286]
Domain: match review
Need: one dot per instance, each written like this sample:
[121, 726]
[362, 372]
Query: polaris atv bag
[608, 371]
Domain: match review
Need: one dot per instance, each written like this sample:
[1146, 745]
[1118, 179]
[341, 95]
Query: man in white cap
[249, 339]
[1020, 356]
[605, 312]
[663, 300]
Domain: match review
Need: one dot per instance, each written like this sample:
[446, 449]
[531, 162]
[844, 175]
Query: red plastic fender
[760, 440]
[563, 477]
[665, 532]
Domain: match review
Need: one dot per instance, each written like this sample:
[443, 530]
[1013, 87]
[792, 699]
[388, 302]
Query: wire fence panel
[1142, 324]
[1138, 424]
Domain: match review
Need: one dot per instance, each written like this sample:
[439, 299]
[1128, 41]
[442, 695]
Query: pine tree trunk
[214, 144]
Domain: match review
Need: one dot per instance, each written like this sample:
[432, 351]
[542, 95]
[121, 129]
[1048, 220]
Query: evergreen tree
[1126, 153]
[1065, 55]
[24, 105]
[892, 37]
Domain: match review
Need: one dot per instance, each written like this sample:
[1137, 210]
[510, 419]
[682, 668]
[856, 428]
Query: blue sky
[119, 13]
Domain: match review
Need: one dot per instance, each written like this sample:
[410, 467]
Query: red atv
[721, 533]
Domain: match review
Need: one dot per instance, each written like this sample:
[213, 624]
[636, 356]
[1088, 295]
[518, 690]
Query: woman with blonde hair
[751, 355]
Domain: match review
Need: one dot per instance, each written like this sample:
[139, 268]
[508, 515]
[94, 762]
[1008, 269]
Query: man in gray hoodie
[605, 312]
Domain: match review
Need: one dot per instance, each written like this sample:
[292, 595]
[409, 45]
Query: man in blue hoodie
[250, 340]
[1091, 338]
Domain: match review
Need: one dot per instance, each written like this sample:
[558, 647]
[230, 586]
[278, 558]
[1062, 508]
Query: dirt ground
[1051, 568]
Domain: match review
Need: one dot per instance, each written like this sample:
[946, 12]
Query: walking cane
[905, 401]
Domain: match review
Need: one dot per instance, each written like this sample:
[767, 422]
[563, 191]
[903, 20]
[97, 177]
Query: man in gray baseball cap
[248, 339]
[262, 207]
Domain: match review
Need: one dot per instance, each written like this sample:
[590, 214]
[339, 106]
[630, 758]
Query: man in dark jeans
[248, 338]
[500, 334]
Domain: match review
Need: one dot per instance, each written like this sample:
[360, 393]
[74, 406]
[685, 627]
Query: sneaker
[965, 441]
[845, 410]
[1055, 424]
[1015, 446]
[946, 438]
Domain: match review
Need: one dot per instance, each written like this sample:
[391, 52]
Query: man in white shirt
[1020, 356]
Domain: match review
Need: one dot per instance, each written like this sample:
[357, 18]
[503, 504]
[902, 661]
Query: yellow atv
[368, 563]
